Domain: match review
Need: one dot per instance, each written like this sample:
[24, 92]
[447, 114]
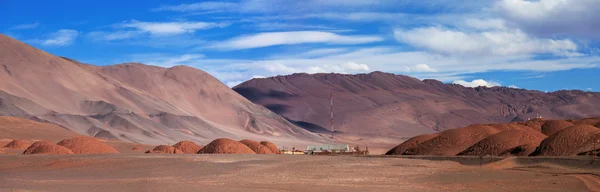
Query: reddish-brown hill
[87, 145]
[382, 106]
[188, 147]
[453, 141]
[518, 142]
[17, 144]
[569, 141]
[131, 102]
[553, 126]
[226, 146]
[411, 143]
[270, 146]
[45, 147]
[256, 147]
[588, 121]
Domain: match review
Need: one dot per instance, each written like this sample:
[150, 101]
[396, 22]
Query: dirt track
[143, 172]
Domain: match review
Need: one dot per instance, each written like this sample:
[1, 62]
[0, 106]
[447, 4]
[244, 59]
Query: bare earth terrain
[150, 172]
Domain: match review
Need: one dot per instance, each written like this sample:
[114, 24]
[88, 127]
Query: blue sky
[545, 45]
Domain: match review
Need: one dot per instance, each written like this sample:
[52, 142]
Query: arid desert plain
[218, 172]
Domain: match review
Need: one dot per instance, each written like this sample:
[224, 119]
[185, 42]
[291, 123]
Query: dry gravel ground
[153, 172]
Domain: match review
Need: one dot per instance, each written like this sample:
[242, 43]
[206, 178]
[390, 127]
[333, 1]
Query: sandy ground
[145, 172]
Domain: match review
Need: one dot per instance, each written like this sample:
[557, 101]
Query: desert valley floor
[159, 172]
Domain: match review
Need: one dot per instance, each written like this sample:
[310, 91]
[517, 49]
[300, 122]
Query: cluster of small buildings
[330, 149]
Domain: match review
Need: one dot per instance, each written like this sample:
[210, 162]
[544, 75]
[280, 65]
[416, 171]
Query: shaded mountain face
[383, 105]
[132, 102]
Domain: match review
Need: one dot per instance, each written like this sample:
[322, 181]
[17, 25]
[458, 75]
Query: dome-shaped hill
[588, 121]
[165, 149]
[256, 147]
[226, 146]
[511, 142]
[552, 126]
[270, 146]
[87, 145]
[410, 143]
[18, 144]
[188, 147]
[454, 141]
[569, 141]
[45, 147]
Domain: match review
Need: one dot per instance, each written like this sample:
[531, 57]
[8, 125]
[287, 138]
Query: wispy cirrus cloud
[115, 35]
[171, 28]
[26, 26]
[61, 37]
[202, 6]
[154, 30]
[291, 38]
[166, 60]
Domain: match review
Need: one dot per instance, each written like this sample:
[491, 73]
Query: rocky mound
[18, 144]
[511, 142]
[569, 141]
[552, 126]
[188, 147]
[226, 146]
[165, 149]
[588, 121]
[45, 147]
[454, 141]
[411, 143]
[270, 146]
[87, 145]
[256, 147]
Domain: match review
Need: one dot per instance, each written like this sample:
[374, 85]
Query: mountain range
[383, 107]
[132, 102]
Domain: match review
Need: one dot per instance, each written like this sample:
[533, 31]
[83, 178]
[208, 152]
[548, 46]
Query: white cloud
[476, 83]
[290, 38]
[553, 17]
[513, 86]
[588, 89]
[27, 26]
[166, 60]
[279, 68]
[60, 38]
[486, 23]
[420, 68]
[348, 67]
[319, 52]
[170, 28]
[352, 66]
[273, 26]
[111, 36]
[502, 43]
